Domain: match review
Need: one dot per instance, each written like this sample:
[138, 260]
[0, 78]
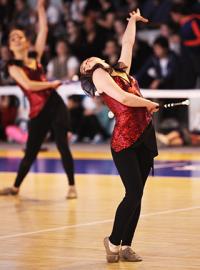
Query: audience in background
[111, 52]
[160, 70]
[8, 114]
[89, 121]
[76, 110]
[189, 31]
[64, 66]
[5, 56]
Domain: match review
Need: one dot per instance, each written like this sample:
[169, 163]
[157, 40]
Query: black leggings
[133, 165]
[53, 116]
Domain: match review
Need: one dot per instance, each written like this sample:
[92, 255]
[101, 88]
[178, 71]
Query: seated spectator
[166, 29]
[77, 10]
[64, 66]
[5, 79]
[21, 16]
[189, 31]
[119, 28]
[76, 110]
[8, 113]
[141, 52]
[56, 28]
[91, 128]
[101, 111]
[75, 38]
[6, 14]
[111, 52]
[178, 138]
[186, 77]
[157, 11]
[53, 13]
[94, 38]
[107, 14]
[159, 72]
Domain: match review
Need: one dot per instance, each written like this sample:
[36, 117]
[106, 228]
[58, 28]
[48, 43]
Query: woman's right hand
[136, 16]
[55, 84]
[153, 107]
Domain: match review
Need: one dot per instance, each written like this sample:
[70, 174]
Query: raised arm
[20, 77]
[128, 39]
[108, 86]
[42, 29]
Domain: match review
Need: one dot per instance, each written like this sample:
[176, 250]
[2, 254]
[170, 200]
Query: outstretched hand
[135, 15]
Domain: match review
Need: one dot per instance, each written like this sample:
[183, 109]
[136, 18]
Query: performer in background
[133, 143]
[47, 109]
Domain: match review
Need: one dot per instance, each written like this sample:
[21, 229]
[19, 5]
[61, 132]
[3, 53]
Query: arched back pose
[133, 143]
[47, 110]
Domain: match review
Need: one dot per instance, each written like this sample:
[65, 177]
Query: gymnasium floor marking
[186, 168]
[106, 155]
[98, 222]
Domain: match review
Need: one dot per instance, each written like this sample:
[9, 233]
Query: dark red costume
[37, 99]
[130, 121]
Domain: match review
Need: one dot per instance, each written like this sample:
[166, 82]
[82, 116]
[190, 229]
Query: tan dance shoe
[72, 193]
[112, 257]
[9, 191]
[128, 255]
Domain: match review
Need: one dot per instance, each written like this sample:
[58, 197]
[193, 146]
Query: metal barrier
[75, 88]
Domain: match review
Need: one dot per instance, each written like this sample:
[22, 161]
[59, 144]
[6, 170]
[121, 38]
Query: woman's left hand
[136, 16]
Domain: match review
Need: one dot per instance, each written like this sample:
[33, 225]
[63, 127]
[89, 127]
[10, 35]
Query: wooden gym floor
[40, 229]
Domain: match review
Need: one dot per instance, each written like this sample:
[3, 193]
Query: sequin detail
[130, 121]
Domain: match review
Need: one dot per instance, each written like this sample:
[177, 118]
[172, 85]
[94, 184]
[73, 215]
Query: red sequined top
[131, 122]
[37, 99]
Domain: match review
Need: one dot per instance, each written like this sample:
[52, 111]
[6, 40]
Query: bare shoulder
[14, 69]
[100, 79]
[98, 73]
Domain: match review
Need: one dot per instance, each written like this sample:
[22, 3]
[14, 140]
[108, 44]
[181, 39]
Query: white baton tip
[110, 114]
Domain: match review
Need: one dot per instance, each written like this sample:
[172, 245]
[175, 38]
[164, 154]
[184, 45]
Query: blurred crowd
[166, 54]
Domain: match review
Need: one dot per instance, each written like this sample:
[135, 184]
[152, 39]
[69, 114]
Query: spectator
[8, 113]
[141, 52]
[5, 56]
[94, 34]
[75, 38]
[53, 13]
[101, 112]
[21, 16]
[6, 13]
[76, 110]
[64, 66]
[119, 28]
[159, 72]
[77, 10]
[179, 138]
[186, 77]
[157, 11]
[107, 16]
[189, 31]
[111, 52]
[166, 29]
[91, 128]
